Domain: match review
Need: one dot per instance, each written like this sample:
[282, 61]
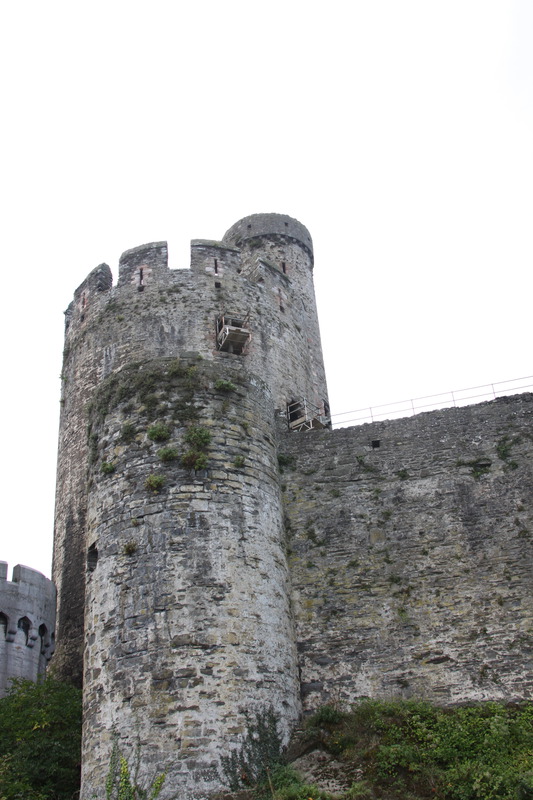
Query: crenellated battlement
[27, 617]
[138, 265]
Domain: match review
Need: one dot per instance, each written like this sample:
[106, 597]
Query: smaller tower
[27, 624]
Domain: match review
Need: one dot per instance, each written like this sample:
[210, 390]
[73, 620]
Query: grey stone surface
[187, 629]
[292, 568]
[411, 562]
[27, 624]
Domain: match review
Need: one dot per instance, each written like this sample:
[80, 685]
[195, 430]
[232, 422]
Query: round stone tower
[170, 553]
[27, 624]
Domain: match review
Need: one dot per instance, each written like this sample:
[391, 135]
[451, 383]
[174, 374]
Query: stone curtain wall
[27, 624]
[411, 555]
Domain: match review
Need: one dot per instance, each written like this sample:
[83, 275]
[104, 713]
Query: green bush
[154, 482]
[40, 741]
[107, 467]
[192, 459]
[198, 437]
[168, 454]
[413, 749]
[225, 386]
[159, 432]
[326, 715]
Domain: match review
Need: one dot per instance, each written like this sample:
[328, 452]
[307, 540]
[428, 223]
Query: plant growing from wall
[193, 459]
[479, 466]
[167, 454]
[260, 750]
[154, 483]
[127, 433]
[225, 386]
[159, 432]
[285, 462]
[107, 468]
[122, 785]
[198, 437]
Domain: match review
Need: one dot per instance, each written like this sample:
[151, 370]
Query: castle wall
[188, 625]
[27, 624]
[411, 559]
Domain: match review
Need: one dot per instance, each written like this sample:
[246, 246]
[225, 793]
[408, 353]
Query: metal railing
[457, 397]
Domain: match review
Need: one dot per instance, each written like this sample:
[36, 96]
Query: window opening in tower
[92, 558]
[24, 625]
[233, 332]
[304, 416]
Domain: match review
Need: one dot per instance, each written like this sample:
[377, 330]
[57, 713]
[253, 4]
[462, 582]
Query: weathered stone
[397, 555]
[27, 624]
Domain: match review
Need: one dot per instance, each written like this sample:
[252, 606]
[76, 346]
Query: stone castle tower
[27, 624]
[225, 561]
[170, 549]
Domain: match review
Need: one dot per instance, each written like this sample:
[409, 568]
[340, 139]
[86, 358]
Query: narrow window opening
[140, 287]
[92, 558]
[218, 285]
[216, 267]
[24, 625]
[375, 444]
[249, 227]
[286, 224]
[3, 623]
[43, 633]
[284, 267]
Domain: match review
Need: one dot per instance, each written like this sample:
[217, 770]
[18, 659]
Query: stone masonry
[27, 624]
[225, 560]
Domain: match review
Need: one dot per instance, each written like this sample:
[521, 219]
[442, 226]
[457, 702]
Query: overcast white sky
[398, 131]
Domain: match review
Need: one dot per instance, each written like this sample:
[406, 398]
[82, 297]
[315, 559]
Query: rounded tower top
[267, 225]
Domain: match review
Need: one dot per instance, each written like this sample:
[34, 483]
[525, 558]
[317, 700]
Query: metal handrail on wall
[457, 397]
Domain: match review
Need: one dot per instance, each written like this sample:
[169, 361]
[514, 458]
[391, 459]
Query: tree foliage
[40, 741]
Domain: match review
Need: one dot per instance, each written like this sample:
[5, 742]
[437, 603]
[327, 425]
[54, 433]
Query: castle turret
[169, 507]
[27, 624]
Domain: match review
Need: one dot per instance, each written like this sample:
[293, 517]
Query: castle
[223, 556]
[27, 624]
